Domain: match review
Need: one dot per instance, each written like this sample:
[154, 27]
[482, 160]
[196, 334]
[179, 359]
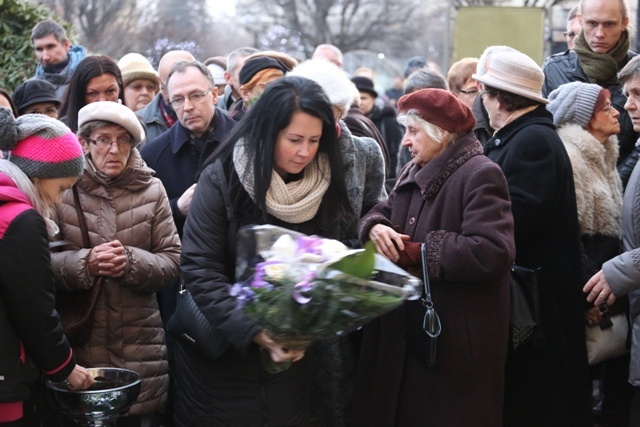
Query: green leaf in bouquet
[358, 264]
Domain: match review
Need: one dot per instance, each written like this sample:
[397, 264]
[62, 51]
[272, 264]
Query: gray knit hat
[40, 146]
[573, 103]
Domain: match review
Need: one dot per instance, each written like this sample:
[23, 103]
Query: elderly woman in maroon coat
[455, 200]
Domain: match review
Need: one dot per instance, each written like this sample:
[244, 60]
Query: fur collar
[597, 183]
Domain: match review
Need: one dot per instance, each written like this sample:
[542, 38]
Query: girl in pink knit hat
[44, 159]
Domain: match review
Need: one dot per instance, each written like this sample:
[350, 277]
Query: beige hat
[516, 73]
[113, 112]
[135, 66]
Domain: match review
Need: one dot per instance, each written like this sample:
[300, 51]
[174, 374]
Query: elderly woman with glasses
[456, 202]
[588, 125]
[134, 247]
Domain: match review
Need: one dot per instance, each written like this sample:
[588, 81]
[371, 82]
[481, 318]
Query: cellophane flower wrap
[306, 288]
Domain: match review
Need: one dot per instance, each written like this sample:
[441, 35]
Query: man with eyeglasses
[177, 154]
[600, 50]
[460, 82]
[158, 115]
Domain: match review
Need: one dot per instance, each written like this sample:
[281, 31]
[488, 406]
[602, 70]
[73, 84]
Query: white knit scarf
[294, 202]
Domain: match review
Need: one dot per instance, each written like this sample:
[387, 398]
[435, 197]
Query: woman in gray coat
[621, 275]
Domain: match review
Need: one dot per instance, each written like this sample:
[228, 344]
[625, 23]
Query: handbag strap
[84, 231]
[431, 323]
[81, 220]
[427, 302]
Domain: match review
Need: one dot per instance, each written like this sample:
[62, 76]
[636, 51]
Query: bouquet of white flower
[300, 289]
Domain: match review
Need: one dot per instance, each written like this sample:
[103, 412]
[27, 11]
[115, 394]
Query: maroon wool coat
[458, 204]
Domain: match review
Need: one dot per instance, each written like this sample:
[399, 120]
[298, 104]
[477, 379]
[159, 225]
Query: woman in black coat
[547, 384]
[282, 166]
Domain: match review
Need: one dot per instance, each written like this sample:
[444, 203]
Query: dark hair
[511, 101]
[13, 106]
[90, 67]
[46, 28]
[259, 130]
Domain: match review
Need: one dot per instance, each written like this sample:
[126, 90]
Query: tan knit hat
[516, 73]
[135, 66]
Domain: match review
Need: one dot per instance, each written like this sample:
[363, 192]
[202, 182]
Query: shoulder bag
[191, 328]
[424, 325]
[524, 308]
[77, 308]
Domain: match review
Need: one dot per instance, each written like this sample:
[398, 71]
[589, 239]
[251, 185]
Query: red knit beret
[439, 107]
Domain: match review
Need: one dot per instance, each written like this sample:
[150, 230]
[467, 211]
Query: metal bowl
[112, 394]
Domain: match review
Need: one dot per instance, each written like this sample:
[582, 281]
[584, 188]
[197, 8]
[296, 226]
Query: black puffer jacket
[564, 68]
[234, 390]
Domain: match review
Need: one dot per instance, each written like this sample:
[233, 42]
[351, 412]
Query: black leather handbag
[524, 308]
[191, 328]
[424, 325]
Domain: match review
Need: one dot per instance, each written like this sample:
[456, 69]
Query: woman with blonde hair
[45, 160]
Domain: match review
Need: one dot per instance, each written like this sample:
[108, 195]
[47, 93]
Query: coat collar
[179, 136]
[539, 116]
[603, 156]
[431, 177]
[135, 176]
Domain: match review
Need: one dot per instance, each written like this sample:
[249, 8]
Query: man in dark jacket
[177, 154]
[158, 116]
[57, 57]
[601, 49]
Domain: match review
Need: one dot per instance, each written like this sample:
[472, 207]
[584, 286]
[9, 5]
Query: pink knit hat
[41, 146]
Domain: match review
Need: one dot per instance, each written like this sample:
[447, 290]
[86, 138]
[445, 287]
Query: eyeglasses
[104, 142]
[193, 98]
[468, 91]
[608, 108]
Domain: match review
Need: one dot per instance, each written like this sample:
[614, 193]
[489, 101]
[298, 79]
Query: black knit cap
[34, 91]
[255, 65]
[365, 84]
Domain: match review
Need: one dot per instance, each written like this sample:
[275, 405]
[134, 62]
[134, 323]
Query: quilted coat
[134, 209]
